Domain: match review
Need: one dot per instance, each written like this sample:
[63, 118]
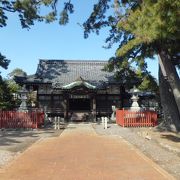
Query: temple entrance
[79, 105]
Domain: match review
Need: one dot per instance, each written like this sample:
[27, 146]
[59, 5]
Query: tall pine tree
[144, 29]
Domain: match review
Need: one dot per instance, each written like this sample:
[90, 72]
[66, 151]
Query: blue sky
[52, 41]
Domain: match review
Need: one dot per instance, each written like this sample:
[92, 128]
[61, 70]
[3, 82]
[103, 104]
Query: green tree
[16, 72]
[4, 62]
[131, 76]
[144, 29]
[13, 86]
[6, 97]
[30, 11]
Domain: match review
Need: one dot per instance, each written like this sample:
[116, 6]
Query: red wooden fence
[127, 118]
[15, 119]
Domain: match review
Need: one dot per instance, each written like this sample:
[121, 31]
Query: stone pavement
[80, 154]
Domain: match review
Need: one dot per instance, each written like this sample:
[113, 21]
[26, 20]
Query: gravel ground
[5, 157]
[14, 142]
[164, 152]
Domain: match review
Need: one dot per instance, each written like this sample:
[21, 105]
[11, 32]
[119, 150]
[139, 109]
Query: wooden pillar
[51, 103]
[94, 108]
[65, 108]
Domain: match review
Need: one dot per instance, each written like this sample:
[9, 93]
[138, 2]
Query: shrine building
[75, 89]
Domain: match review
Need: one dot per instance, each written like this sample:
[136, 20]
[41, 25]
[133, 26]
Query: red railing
[15, 119]
[127, 118]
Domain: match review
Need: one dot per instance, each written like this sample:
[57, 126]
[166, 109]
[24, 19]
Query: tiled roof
[63, 72]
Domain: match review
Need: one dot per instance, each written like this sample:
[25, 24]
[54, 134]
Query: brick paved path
[80, 154]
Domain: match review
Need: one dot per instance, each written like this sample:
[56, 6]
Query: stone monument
[23, 97]
[113, 116]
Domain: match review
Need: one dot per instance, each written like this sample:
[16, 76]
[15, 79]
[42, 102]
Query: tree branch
[7, 9]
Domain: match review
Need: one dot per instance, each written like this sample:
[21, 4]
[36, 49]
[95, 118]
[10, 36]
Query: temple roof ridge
[51, 61]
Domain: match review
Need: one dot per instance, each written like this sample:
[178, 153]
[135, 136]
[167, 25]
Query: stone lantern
[23, 97]
[135, 106]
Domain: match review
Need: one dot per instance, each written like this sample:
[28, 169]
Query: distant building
[75, 88]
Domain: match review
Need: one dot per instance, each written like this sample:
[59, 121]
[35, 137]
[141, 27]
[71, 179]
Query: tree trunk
[169, 72]
[171, 118]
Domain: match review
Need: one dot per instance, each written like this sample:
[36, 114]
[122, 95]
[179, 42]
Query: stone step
[79, 116]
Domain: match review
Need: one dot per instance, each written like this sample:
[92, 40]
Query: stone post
[55, 122]
[102, 120]
[58, 122]
[105, 122]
